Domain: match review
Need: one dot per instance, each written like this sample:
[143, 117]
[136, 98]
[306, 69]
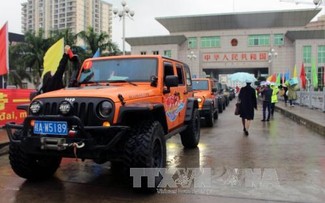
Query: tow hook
[59, 144]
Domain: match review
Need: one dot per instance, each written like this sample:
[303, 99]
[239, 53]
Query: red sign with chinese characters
[233, 57]
[9, 100]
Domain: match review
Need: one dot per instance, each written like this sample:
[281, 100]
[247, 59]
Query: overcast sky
[144, 23]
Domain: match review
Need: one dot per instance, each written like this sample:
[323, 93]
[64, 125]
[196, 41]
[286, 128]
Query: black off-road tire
[191, 135]
[216, 114]
[146, 148]
[220, 108]
[31, 167]
[209, 119]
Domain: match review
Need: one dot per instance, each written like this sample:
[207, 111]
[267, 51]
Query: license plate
[51, 128]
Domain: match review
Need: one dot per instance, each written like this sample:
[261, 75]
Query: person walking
[285, 94]
[266, 93]
[248, 102]
[292, 94]
[274, 97]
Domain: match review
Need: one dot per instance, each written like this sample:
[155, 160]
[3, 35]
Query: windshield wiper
[94, 82]
[131, 83]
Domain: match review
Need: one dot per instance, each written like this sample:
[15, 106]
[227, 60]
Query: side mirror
[171, 81]
[214, 89]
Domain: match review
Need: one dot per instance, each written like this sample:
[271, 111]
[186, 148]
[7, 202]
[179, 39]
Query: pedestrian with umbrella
[246, 99]
[292, 94]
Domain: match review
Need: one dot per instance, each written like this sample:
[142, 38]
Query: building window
[155, 52]
[192, 42]
[143, 53]
[210, 42]
[278, 39]
[168, 53]
[320, 76]
[321, 54]
[307, 54]
[259, 40]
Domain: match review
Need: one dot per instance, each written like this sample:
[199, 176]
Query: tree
[70, 38]
[94, 41]
[18, 71]
[32, 52]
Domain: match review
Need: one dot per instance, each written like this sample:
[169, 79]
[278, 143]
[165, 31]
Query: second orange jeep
[206, 93]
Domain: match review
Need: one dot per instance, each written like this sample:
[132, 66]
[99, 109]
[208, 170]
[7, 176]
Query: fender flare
[192, 104]
[155, 111]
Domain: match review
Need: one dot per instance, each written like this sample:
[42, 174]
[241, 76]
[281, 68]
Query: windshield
[132, 70]
[200, 85]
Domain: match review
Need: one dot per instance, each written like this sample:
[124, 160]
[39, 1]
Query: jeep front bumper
[89, 139]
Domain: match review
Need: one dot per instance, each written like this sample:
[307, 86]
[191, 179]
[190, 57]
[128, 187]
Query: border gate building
[261, 43]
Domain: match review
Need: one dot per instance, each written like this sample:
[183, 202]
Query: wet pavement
[281, 160]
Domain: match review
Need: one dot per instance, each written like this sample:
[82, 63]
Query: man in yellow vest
[274, 98]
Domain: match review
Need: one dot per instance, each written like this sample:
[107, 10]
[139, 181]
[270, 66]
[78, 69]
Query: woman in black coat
[247, 98]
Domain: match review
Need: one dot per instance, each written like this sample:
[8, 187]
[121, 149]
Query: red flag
[4, 50]
[303, 76]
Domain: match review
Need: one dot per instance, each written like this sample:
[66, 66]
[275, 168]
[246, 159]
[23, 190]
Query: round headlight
[65, 107]
[199, 100]
[105, 108]
[35, 107]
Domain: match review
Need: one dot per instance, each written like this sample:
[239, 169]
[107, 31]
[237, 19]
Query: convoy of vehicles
[122, 110]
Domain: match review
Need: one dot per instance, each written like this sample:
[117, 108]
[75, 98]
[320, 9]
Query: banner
[314, 76]
[9, 100]
[303, 76]
[97, 54]
[4, 50]
[53, 56]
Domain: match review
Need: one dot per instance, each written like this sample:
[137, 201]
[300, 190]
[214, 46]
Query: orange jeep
[205, 92]
[122, 110]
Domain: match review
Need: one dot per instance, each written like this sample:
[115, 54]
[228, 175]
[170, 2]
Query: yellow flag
[295, 72]
[53, 56]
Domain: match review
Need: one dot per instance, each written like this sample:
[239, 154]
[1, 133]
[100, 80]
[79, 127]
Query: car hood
[128, 92]
[202, 94]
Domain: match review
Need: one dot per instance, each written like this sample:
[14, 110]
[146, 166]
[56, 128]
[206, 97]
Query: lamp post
[317, 2]
[192, 57]
[272, 55]
[125, 12]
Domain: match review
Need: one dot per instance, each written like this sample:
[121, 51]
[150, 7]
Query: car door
[174, 98]
[214, 94]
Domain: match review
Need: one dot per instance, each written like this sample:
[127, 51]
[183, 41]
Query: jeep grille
[83, 108]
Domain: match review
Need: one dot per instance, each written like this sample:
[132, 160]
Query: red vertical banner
[9, 100]
[4, 50]
[303, 76]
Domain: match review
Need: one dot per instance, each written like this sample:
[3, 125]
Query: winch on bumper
[89, 140]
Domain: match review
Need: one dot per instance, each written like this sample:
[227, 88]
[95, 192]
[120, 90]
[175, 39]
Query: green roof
[248, 20]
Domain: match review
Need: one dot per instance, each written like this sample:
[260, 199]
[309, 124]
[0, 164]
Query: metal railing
[312, 99]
